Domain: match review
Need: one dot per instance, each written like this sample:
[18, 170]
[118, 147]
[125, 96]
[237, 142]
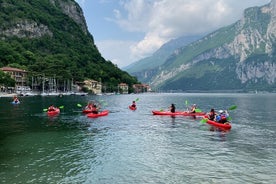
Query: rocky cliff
[241, 55]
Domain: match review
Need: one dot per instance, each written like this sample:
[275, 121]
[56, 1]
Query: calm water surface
[137, 147]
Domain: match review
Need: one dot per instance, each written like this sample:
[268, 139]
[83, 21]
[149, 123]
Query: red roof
[12, 69]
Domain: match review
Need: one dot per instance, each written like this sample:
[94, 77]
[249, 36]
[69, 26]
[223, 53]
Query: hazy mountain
[240, 56]
[145, 68]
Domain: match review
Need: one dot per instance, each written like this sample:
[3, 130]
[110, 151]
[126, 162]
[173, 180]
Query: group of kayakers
[190, 110]
[221, 116]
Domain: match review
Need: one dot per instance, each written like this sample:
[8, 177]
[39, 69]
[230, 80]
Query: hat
[220, 111]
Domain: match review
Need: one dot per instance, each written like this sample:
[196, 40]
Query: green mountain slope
[51, 37]
[237, 57]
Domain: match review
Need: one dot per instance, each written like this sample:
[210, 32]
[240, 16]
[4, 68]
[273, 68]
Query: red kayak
[54, 112]
[102, 113]
[86, 111]
[178, 113]
[225, 126]
[132, 108]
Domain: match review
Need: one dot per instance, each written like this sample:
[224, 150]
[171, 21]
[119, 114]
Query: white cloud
[117, 51]
[162, 20]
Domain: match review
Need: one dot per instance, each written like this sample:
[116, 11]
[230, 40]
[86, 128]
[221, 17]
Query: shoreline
[8, 94]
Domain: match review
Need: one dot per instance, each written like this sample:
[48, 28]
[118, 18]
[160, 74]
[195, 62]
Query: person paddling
[89, 106]
[51, 108]
[15, 99]
[133, 104]
[172, 108]
[212, 114]
[95, 109]
[193, 109]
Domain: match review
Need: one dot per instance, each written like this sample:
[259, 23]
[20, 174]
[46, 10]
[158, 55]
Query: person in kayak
[212, 114]
[95, 109]
[193, 109]
[172, 108]
[15, 99]
[51, 108]
[133, 104]
[222, 116]
[89, 106]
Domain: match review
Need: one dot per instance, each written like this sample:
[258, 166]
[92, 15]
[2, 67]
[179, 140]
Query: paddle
[233, 107]
[79, 105]
[204, 120]
[198, 110]
[137, 99]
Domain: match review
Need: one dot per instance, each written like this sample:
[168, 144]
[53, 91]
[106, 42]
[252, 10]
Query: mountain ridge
[240, 55]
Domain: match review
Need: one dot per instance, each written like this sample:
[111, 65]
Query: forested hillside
[50, 37]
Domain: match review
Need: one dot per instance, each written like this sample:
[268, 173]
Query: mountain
[240, 57]
[50, 37]
[146, 68]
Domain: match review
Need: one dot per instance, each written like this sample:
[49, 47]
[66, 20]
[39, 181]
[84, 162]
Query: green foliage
[6, 80]
[65, 51]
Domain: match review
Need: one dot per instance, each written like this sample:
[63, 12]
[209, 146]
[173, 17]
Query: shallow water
[137, 147]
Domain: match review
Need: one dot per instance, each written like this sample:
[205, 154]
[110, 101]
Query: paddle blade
[79, 105]
[45, 110]
[198, 110]
[186, 102]
[229, 118]
[204, 120]
[61, 107]
[232, 107]
[137, 99]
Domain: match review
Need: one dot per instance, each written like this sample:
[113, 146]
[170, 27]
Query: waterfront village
[29, 85]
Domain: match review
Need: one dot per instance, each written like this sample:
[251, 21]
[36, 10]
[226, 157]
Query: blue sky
[128, 30]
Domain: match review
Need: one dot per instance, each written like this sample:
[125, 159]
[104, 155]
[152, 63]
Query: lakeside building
[20, 77]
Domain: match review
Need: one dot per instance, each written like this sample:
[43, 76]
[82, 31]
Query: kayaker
[95, 109]
[15, 99]
[193, 109]
[133, 104]
[222, 116]
[212, 114]
[89, 106]
[51, 108]
[172, 108]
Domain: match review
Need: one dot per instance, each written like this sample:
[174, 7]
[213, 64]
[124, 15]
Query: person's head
[212, 110]
[172, 105]
[133, 101]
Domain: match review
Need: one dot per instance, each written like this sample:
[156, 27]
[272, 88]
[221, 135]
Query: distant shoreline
[8, 94]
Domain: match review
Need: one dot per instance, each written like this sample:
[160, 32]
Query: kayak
[102, 113]
[13, 102]
[87, 111]
[53, 113]
[179, 113]
[225, 126]
[132, 108]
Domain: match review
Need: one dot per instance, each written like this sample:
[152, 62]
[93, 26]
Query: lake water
[137, 147]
